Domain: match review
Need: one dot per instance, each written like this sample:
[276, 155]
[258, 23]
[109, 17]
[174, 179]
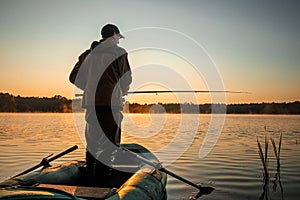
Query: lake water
[233, 167]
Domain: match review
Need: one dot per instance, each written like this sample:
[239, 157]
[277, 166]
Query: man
[106, 75]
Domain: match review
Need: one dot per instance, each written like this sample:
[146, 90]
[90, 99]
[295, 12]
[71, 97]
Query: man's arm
[125, 74]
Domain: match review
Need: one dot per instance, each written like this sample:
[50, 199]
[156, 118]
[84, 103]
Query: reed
[277, 151]
[264, 158]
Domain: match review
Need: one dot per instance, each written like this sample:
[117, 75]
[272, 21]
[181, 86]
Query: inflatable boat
[125, 181]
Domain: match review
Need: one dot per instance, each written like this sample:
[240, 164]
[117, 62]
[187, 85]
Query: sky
[251, 46]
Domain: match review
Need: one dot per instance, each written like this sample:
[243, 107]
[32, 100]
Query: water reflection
[277, 179]
[233, 167]
[275, 182]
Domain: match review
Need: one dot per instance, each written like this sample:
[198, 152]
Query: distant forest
[252, 108]
[10, 103]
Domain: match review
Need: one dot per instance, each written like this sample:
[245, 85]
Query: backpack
[80, 83]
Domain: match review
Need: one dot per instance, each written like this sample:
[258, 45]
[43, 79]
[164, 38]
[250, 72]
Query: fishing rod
[182, 91]
[178, 91]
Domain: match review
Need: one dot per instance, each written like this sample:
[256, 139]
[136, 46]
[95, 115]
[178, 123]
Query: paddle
[158, 166]
[45, 161]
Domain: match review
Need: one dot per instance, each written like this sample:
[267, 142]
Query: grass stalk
[266, 150]
[277, 151]
[264, 158]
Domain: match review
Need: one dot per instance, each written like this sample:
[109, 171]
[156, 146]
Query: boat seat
[80, 191]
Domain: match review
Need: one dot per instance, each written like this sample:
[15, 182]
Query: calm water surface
[233, 167]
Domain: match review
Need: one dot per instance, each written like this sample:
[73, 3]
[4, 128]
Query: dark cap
[109, 29]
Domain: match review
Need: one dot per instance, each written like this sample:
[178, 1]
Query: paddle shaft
[161, 168]
[45, 161]
[180, 178]
[73, 148]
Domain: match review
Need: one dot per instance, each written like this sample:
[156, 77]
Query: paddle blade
[202, 191]
[206, 190]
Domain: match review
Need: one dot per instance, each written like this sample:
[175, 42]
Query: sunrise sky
[250, 46]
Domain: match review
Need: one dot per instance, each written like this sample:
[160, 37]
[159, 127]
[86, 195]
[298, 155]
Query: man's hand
[124, 93]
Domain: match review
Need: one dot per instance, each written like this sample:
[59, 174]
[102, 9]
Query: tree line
[10, 103]
[57, 103]
[252, 108]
